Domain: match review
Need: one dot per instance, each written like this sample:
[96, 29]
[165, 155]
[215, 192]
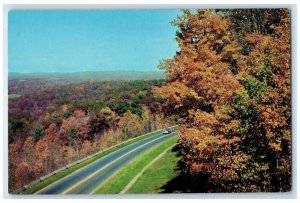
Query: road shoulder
[117, 182]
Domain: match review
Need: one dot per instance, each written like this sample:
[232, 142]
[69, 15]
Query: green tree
[37, 132]
[73, 138]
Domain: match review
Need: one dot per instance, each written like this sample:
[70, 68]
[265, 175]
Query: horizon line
[88, 71]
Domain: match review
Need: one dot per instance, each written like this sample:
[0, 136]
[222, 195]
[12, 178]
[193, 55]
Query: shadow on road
[184, 182]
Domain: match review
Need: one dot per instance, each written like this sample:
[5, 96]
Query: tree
[16, 129]
[14, 159]
[73, 138]
[23, 174]
[51, 126]
[28, 150]
[47, 148]
[264, 107]
[259, 21]
[232, 133]
[101, 121]
[130, 124]
[37, 132]
[201, 88]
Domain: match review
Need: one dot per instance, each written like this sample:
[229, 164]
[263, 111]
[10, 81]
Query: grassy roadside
[63, 173]
[121, 178]
[157, 175]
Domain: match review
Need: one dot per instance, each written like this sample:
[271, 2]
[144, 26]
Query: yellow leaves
[177, 93]
[195, 95]
[29, 143]
[219, 42]
[109, 114]
[261, 167]
[231, 51]
[234, 126]
[287, 136]
[269, 110]
[253, 38]
[217, 24]
[189, 136]
[276, 146]
[268, 63]
[230, 166]
[64, 108]
[202, 118]
[234, 94]
[131, 124]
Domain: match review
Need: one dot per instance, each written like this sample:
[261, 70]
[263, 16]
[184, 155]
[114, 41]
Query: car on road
[167, 131]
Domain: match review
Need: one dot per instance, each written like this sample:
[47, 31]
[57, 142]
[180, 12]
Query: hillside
[65, 78]
[75, 120]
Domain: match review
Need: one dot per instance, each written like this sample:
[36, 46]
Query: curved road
[88, 178]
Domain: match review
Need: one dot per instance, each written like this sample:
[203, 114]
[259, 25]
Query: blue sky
[72, 41]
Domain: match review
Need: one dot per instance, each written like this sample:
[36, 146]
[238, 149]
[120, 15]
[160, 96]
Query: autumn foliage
[231, 89]
[228, 85]
[51, 128]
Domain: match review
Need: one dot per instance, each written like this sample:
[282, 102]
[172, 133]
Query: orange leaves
[202, 119]
[202, 84]
[51, 132]
[177, 93]
[232, 91]
[23, 173]
[79, 122]
[204, 154]
[266, 78]
[268, 64]
[64, 108]
[232, 164]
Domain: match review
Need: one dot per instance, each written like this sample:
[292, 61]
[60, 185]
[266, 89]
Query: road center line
[104, 167]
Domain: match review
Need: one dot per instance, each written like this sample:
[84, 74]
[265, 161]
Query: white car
[167, 131]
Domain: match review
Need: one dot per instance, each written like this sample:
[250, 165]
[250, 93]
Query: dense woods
[53, 125]
[230, 84]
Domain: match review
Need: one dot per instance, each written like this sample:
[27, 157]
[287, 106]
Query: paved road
[88, 178]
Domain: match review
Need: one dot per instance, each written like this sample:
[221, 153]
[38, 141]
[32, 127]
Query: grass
[63, 173]
[157, 175]
[121, 178]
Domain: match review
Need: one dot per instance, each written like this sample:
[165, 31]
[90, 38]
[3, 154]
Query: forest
[228, 86]
[51, 125]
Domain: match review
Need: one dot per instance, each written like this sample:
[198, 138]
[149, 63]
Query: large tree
[208, 86]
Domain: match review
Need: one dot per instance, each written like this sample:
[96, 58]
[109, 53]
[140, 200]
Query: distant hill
[94, 75]
[65, 78]
[23, 83]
